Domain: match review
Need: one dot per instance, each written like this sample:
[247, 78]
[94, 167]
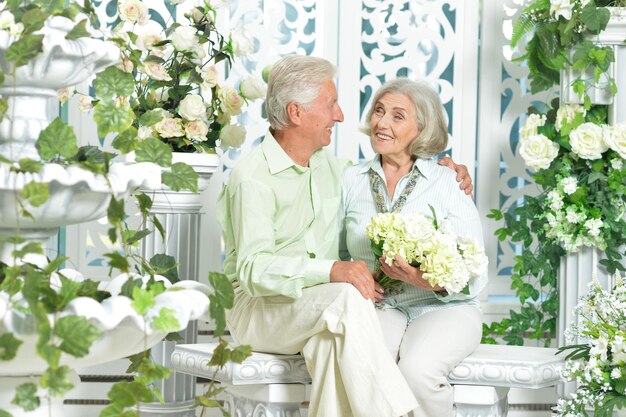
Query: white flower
[569, 184]
[573, 216]
[16, 29]
[192, 107]
[538, 151]
[133, 11]
[146, 41]
[6, 19]
[170, 127]
[556, 200]
[616, 138]
[64, 93]
[242, 42]
[85, 103]
[232, 135]
[126, 65]
[184, 38]
[253, 88]
[567, 114]
[155, 71]
[616, 373]
[588, 142]
[617, 163]
[162, 94]
[533, 121]
[196, 130]
[593, 227]
[199, 52]
[561, 8]
[231, 101]
[145, 132]
[208, 75]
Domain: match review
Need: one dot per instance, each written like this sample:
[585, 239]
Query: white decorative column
[180, 213]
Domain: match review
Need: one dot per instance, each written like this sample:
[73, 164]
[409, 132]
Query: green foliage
[112, 118]
[26, 397]
[166, 266]
[154, 150]
[36, 193]
[76, 334]
[9, 345]
[113, 82]
[181, 177]
[78, 31]
[221, 300]
[23, 50]
[57, 140]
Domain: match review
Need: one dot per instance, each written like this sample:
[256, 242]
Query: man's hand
[462, 174]
[357, 274]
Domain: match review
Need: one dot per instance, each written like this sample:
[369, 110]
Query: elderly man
[279, 213]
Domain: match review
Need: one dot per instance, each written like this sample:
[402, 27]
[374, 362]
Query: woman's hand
[402, 271]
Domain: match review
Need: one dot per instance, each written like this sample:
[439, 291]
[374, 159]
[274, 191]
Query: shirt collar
[423, 166]
[278, 160]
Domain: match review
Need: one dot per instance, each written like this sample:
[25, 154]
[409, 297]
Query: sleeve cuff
[317, 271]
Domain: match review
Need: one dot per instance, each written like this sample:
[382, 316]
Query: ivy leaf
[116, 260]
[77, 335]
[151, 118]
[144, 202]
[115, 211]
[57, 139]
[595, 18]
[154, 150]
[24, 50]
[29, 165]
[9, 345]
[223, 288]
[4, 104]
[114, 82]
[36, 193]
[137, 236]
[181, 177]
[78, 31]
[26, 397]
[110, 118]
[240, 353]
[30, 247]
[33, 20]
[58, 380]
[126, 141]
[166, 320]
[165, 265]
[142, 300]
[121, 395]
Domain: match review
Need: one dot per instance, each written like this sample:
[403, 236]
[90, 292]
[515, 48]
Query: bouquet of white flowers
[423, 241]
[599, 363]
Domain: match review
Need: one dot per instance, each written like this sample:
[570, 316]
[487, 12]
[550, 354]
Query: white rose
[162, 94]
[588, 142]
[64, 93]
[199, 52]
[133, 11]
[561, 8]
[232, 135]
[533, 121]
[196, 130]
[184, 38]
[567, 114]
[156, 71]
[85, 103]
[192, 107]
[6, 19]
[208, 75]
[126, 65]
[242, 42]
[253, 88]
[146, 41]
[170, 127]
[538, 151]
[616, 138]
[231, 101]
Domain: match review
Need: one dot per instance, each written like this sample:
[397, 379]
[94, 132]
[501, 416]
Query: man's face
[319, 119]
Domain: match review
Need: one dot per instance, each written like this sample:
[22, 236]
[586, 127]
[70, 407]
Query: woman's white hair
[432, 138]
[294, 79]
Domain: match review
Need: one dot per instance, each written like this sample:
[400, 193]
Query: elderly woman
[427, 330]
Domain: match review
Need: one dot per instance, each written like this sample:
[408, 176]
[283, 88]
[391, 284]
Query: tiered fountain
[76, 196]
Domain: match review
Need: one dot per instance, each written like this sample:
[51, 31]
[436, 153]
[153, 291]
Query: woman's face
[393, 125]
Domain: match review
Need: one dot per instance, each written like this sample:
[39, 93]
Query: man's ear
[294, 111]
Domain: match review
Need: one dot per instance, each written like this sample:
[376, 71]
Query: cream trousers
[338, 334]
[428, 348]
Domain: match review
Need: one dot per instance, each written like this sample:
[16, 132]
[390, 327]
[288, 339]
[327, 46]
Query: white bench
[272, 385]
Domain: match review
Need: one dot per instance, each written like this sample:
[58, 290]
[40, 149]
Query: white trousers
[338, 334]
[428, 348]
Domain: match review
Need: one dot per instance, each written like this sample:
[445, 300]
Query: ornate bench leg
[272, 400]
[481, 401]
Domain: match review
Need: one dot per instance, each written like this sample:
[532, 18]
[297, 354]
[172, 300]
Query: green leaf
[142, 300]
[595, 18]
[111, 118]
[4, 105]
[223, 288]
[24, 50]
[153, 150]
[114, 82]
[9, 345]
[30, 247]
[33, 20]
[165, 265]
[117, 260]
[137, 236]
[58, 380]
[5, 414]
[77, 335]
[522, 26]
[30, 165]
[144, 202]
[151, 118]
[57, 139]
[115, 211]
[181, 177]
[26, 397]
[126, 141]
[78, 31]
[36, 193]
[240, 353]
[166, 320]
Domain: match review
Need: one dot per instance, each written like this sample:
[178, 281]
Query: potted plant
[597, 359]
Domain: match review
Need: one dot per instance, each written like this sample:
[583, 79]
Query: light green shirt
[280, 220]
